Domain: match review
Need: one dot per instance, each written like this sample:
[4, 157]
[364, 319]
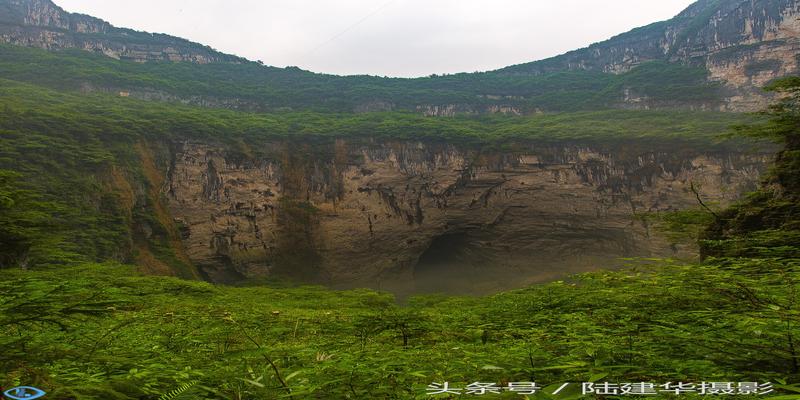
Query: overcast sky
[394, 38]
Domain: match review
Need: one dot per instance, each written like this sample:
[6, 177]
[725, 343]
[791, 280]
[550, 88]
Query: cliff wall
[743, 44]
[402, 215]
[41, 23]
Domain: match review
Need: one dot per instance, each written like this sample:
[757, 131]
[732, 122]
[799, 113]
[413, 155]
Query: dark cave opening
[456, 263]
[443, 250]
[481, 262]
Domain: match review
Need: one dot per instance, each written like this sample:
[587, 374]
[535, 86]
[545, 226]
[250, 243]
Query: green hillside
[81, 330]
[99, 298]
[255, 87]
[102, 331]
[75, 160]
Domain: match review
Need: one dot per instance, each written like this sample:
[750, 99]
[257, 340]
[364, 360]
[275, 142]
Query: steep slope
[350, 199]
[40, 23]
[713, 56]
[767, 223]
[390, 200]
[400, 215]
[253, 87]
[742, 43]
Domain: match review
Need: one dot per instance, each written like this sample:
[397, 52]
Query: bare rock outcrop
[399, 215]
[41, 23]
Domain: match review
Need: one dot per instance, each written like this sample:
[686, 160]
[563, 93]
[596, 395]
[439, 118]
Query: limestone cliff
[400, 215]
[40, 23]
[743, 43]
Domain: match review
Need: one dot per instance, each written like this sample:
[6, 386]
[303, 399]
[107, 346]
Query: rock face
[40, 23]
[743, 43]
[414, 216]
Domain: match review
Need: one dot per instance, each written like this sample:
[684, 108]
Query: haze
[406, 38]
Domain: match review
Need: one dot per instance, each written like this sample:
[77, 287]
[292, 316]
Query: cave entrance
[457, 263]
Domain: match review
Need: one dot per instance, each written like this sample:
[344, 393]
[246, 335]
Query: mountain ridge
[42, 23]
[740, 45]
[744, 44]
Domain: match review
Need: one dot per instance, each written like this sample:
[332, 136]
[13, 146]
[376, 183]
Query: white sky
[393, 38]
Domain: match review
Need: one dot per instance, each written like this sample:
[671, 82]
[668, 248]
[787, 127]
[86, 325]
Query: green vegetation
[255, 87]
[79, 199]
[24, 222]
[768, 222]
[87, 165]
[681, 227]
[102, 332]
[110, 119]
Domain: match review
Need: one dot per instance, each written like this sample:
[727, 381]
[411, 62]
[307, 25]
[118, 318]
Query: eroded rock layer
[41, 23]
[419, 216]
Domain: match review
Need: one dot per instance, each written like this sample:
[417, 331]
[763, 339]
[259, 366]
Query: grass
[103, 331]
